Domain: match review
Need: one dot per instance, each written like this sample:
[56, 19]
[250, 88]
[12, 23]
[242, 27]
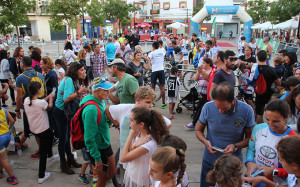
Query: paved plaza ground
[26, 169]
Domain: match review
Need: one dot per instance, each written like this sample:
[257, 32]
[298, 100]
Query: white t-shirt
[117, 44]
[88, 59]
[101, 42]
[26, 38]
[185, 181]
[157, 60]
[61, 70]
[37, 115]
[3, 46]
[69, 56]
[163, 50]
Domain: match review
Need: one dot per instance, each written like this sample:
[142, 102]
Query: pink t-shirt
[37, 115]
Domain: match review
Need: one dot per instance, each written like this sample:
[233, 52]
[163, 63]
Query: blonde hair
[227, 171]
[48, 61]
[172, 160]
[139, 48]
[145, 92]
[93, 83]
[80, 54]
[134, 55]
[279, 60]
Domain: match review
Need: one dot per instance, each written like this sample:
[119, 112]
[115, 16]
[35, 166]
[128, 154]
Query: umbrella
[143, 25]
[177, 25]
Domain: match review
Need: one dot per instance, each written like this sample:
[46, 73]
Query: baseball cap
[117, 61]
[103, 84]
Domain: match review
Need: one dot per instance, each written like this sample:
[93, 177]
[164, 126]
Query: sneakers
[55, 141]
[163, 106]
[53, 157]
[12, 180]
[83, 179]
[91, 173]
[41, 180]
[1, 174]
[190, 127]
[171, 116]
[35, 155]
[95, 180]
[153, 104]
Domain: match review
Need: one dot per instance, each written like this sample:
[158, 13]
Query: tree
[258, 10]
[5, 27]
[198, 7]
[64, 12]
[283, 10]
[95, 11]
[14, 12]
[118, 10]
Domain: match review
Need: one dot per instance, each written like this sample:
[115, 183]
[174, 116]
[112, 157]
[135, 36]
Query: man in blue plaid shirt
[98, 62]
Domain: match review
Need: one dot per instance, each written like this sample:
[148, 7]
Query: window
[182, 4]
[167, 6]
[156, 6]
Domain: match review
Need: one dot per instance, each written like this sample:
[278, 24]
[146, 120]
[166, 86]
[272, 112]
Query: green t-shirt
[126, 87]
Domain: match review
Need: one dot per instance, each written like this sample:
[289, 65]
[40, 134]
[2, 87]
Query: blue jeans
[206, 167]
[90, 73]
[63, 130]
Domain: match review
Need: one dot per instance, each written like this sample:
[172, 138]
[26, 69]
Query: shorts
[169, 52]
[85, 157]
[4, 141]
[260, 103]
[160, 75]
[172, 99]
[185, 58]
[105, 153]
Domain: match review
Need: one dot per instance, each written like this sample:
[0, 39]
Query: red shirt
[211, 77]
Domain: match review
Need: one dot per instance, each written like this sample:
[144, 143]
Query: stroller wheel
[178, 109]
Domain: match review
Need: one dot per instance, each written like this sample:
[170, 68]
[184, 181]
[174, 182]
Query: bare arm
[200, 135]
[270, 49]
[115, 122]
[213, 85]
[114, 99]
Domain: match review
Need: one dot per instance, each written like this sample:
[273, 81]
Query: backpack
[260, 85]
[77, 126]
[36, 79]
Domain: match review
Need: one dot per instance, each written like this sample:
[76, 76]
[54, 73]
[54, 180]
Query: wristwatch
[235, 147]
[275, 172]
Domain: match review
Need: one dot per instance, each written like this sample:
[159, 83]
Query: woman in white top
[254, 46]
[69, 55]
[89, 52]
[62, 68]
[147, 128]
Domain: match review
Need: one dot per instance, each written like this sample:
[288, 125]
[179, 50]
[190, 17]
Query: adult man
[225, 74]
[164, 38]
[270, 76]
[157, 61]
[122, 38]
[169, 46]
[268, 47]
[203, 53]
[69, 39]
[77, 44]
[123, 49]
[227, 120]
[185, 44]
[3, 45]
[219, 63]
[215, 48]
[116, 42]
[101, 43]
[22, 82]
[241, 46]
[230, 35]
[130, 38]
[136, 41]
[110, 50]
[98, 62]
[84, 38]
[127, 85]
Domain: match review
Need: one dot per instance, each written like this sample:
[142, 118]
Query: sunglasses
[233, 59]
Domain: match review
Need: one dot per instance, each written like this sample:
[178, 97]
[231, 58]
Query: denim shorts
[85, 157]
[4, 141]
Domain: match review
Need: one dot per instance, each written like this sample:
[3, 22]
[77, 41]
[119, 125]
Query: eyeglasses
[233, 59]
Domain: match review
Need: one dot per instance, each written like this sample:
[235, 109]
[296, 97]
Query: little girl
[36, 111]
[147, 128]
[167, 165]
[62, 68]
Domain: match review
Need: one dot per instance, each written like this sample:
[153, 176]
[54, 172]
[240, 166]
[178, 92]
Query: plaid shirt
[98, 62]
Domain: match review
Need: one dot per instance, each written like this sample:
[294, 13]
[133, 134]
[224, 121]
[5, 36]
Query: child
[86, 162]
[6, 123]
[279, 66]
[62, 68]
[173, 84]
[227, 171]
[167, 164]
[147, 129]
[246, 90]
[289, 153]
[36, 111]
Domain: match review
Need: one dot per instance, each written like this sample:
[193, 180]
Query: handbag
[71, 107]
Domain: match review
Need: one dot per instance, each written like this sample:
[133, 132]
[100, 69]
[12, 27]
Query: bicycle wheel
[128, 55]
[187, 81]
[147, 82]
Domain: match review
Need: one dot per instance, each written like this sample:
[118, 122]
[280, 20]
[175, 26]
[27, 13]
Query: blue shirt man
[110, 50]
[228, 121]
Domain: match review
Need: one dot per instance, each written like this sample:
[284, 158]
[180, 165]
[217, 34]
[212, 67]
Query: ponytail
[33, 88]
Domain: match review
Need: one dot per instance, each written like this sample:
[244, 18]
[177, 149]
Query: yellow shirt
[121, 39]
[194, 52]
[3, 122]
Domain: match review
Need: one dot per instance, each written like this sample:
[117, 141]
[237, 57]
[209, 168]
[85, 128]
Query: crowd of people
[74, 101]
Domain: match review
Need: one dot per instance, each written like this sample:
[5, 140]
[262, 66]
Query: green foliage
[96, 12]
[64, 12]
[197, 8]
[258, 10]
[5, 27]
[283, 10]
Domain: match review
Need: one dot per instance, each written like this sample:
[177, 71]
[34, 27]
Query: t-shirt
[4, 127]
[110, 49]
[67, 88]
[223, 76]
[225, 129]
[246, 88]
[3, 46]
[270, 76]
[177, 53]
[211, 78]
[250, 60]
[127, 86]
[157, 60]
[173, 84]
[37, 115]
[136, 69]
[163, 50]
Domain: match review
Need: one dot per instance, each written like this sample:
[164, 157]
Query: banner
[213, 27]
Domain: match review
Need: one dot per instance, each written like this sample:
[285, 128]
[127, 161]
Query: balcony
[155, 12]
[142, 12]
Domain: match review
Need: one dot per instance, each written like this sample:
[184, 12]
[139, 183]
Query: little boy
[246, 90]
[173, 88]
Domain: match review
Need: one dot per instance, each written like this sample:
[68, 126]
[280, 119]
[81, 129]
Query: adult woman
[36, 61]
[253, 46]
[5, 77]
[82, 56]
[14, 65]
[68, 90]
[88, 50]
[262, 153]
[293, 99]
[137, 66]
[97, 137]
[69, 55]
[290, 59]
[248, 59]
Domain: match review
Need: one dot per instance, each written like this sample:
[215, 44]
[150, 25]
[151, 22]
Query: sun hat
[104, 84]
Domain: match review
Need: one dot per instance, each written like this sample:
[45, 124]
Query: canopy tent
[177, 25]
[143, 25]
[255, 26]
[289, 24]
[263, 26]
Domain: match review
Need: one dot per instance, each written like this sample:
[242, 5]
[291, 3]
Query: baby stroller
[190, 101]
